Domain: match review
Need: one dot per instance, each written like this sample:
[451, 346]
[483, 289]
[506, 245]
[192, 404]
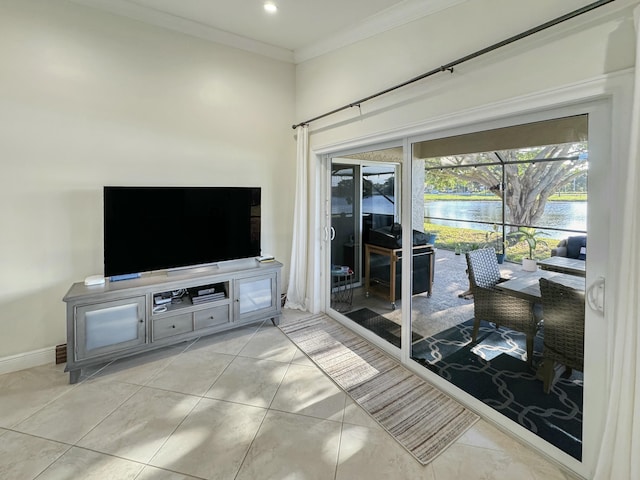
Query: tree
[528, 183]
[441, 180]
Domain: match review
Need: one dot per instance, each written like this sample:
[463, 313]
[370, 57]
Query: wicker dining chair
[492, 305]
[564, 311]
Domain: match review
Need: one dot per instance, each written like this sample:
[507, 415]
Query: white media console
[117, 319]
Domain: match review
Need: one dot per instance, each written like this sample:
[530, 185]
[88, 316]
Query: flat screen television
[161, 228]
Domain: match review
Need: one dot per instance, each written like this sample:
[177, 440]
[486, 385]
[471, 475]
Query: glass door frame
[327, 162]
[359, 191]
[357, 211]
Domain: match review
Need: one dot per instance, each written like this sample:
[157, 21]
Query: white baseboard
[25, 360]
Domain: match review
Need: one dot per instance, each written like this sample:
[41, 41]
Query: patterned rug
[381, 326]
[494, 370]
[420, 417]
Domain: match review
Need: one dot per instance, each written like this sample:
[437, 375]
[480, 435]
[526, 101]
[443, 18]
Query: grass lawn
[465, 239]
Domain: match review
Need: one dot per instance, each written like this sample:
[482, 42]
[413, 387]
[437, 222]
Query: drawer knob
[173, 326]
[211, 317]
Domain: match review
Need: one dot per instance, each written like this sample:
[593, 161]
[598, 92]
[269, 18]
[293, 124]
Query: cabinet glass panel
[255, 295]
[110, 326]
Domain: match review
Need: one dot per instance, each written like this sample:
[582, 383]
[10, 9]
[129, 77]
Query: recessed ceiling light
[270, 7]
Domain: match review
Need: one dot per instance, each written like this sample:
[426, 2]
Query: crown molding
[390, 18]
[158, 18]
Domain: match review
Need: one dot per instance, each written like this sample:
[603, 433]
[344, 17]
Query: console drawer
[211, 317]
[166, 327]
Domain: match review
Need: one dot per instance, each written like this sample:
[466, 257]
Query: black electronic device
[159, 228]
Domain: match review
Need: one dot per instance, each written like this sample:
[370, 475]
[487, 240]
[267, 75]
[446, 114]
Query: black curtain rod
[449, 66]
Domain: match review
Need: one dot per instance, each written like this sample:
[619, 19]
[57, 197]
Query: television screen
[158, 228]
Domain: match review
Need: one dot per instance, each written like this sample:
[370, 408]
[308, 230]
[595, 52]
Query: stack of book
[206, 294]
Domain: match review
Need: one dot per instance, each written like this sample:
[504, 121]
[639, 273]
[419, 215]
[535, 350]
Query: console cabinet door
[109, 327]
[256, 297]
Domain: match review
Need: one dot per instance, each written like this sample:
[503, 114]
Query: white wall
[599, 42]
[89, 99]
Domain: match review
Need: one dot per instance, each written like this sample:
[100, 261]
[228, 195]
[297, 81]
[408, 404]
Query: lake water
[561, 215]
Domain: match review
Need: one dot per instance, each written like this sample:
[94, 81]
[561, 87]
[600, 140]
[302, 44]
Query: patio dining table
[526, 284]
[571, 266]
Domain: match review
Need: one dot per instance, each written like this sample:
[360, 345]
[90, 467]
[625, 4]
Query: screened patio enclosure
[535, 176]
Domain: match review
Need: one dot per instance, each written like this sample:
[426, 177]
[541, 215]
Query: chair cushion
[583, 253]
[483, 268]
[574, 244]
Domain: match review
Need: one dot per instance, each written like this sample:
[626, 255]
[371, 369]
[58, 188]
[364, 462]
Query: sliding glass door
[510, 204]
[345, 225]
[522, 189]
[366, 243]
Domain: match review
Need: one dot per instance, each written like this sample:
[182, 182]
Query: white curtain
[618, 458]
[297, 296]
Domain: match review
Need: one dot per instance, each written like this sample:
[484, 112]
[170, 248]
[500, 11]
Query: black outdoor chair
[492, 305]
[563, 309]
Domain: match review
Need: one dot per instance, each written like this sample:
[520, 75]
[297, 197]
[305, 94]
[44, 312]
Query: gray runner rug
[420, 417]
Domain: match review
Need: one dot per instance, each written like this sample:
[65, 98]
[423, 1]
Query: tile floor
[243, 405]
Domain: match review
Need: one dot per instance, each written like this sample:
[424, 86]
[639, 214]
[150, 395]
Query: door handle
[329, 233]
[595, 296]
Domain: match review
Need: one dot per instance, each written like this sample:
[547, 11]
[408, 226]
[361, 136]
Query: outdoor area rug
[381, 326]
[420, 417]
[494, 370]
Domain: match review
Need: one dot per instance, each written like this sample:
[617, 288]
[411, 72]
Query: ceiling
[298, 31]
